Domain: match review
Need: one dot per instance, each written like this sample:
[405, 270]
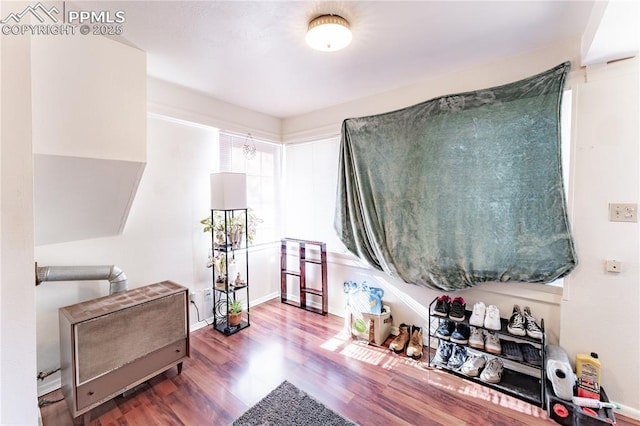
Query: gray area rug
[288, 405]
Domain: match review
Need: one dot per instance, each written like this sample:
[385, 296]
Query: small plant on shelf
[235, 312]
[236, 231]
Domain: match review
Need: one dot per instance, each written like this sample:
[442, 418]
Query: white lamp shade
[228, 191]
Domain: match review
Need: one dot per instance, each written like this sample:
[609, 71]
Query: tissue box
[373, 328]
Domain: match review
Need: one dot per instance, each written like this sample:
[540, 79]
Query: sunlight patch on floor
[361, 351]
[262, 375]
[484, 393]
[336, 341]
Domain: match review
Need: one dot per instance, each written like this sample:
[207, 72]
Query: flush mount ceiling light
[328, 33]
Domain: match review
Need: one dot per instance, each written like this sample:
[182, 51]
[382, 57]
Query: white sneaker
[492, 344]
[473, 365]
[477, 316]
[492, 318]
[476, 339]
[492, 373]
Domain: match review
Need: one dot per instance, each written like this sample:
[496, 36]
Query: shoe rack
[306, 292]
[519, 379]
[226, 289]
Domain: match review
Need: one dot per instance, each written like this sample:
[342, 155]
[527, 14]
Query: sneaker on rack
[511, 350]
[473, 365]
[445, 329]
[443, 353]
[461, 334]
[457, 312]
[458, 357]
[531, 323]
[516, 322]
[492, 372]
[443, 305]
[492, 344]
[476, 338]
[477, 315]
[492, 318]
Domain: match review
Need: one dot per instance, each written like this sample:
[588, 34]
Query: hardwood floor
[367, 384]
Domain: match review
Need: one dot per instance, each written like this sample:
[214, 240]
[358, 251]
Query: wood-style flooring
[367, 384]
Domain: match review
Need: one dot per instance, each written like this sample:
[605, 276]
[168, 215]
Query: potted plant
[235, 313]
[236, 231]
[218, 262]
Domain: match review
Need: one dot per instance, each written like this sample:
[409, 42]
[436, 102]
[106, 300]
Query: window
[565, 147]
[311, 175]
[263, 180]
[311, 170]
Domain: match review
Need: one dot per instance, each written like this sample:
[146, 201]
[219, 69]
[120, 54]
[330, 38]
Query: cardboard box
[373, 328]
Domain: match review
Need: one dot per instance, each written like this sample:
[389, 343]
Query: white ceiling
[253, 54]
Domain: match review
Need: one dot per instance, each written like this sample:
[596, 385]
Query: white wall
[18, 402]
[608, 158]
[89, 98]
[601, 310]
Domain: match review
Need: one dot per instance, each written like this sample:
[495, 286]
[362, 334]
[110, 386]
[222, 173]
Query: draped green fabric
[461, 189]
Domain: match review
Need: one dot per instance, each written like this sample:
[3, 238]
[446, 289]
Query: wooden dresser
[111, 344]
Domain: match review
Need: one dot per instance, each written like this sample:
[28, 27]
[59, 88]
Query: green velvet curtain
[461, 189]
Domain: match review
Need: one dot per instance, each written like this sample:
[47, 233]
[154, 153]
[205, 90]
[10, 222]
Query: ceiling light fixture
[328, 33]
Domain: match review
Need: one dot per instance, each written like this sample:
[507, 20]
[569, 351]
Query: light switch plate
[623, 212]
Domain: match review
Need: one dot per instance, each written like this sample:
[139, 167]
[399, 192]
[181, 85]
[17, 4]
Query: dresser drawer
[129, 375]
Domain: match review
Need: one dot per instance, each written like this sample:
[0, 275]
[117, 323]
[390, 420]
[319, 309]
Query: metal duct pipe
[117, 278]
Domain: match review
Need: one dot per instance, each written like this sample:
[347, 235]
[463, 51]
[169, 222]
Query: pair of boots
[409, 338]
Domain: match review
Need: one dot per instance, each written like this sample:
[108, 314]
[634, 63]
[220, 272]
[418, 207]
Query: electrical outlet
[192, 297]
[208, 295]
[623, 212]
[208, 303]
[613, 266]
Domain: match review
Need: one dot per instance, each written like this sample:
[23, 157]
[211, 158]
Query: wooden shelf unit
[301, 274]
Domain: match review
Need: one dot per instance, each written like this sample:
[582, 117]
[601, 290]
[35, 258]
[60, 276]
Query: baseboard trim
[51, 385]
[209, 321]
[627, 411]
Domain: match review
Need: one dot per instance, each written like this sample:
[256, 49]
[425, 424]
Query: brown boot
[400, 342]
[414, 350]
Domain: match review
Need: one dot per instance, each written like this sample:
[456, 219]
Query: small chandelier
[249, 148]
[328, 33]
